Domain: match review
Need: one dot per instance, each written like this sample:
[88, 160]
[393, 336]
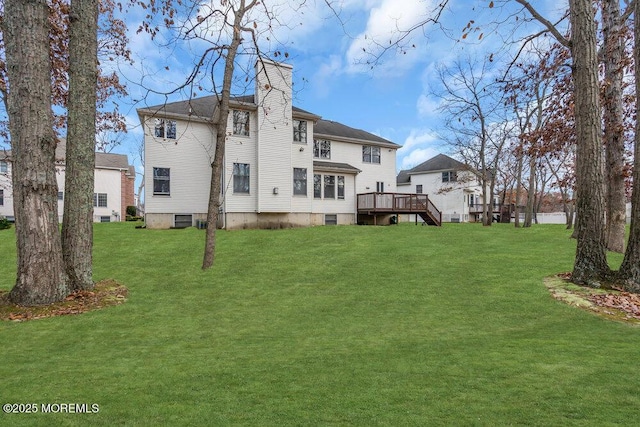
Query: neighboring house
[6, 201]
[283, 166]
[113, 187]
[451, 185]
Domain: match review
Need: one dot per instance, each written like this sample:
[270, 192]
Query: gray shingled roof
[337, 167]
[403, 177]
[204, 108]
[103, 160]
[335, 129]
[441, 162]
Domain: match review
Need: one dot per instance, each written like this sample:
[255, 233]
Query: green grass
[366, 326]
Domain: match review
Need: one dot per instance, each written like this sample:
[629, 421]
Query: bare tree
[474, 107]
[233, 30]
[239, 26]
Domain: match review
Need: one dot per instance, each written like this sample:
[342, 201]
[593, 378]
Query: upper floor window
[321, 149]
[419, 189]
[99, 200]
[370, 154]
[241, 178]
[4, 166]
[450, 176]
[300, 181]
[300, 131]
[240, 122]
[161, 181]
[165, 129]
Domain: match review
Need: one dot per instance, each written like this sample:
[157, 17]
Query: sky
[393, 98]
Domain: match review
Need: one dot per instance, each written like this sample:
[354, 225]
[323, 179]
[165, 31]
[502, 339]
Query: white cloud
[419, 146]
[417, 156]
[327, 71]
[387, 21]
[427, 107]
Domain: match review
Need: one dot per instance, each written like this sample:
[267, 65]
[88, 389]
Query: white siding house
[283, 166]
[113, 187]
[451, 185]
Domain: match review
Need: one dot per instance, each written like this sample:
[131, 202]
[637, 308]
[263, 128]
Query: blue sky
[393, 99]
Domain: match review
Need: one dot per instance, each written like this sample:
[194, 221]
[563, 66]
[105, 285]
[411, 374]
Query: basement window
[183, 221]
[331, 219]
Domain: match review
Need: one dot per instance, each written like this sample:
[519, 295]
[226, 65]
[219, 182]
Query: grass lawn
[394, 326]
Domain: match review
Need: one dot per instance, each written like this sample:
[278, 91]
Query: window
[105, 219]
[241, 178]
[450, 176]
[161, 181]
[371, 154]
[331, 219]
[317, 186]
[380, 187]
[182, 221]
[471, 200]
[329, 187]
[60, 195]
[165, 129]
[99, 200]
[300, 131]
[321, 149]
[300, 181]
[241, 123]
[340, 187]
[1, 197]
[419, 189]
[4, 166]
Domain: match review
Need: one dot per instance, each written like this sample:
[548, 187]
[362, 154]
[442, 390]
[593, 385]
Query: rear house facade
[283, 166]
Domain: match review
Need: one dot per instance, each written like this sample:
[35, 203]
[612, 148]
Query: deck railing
[397, 202]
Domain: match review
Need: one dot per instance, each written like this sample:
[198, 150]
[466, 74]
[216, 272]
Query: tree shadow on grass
[105, 294]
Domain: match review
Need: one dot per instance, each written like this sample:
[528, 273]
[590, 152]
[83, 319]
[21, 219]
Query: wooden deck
[374, 204]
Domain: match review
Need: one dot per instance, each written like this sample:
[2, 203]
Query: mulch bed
[105, 294]
[613, 304]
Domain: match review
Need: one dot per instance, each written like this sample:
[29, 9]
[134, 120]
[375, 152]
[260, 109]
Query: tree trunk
[630, 268]
[77, 225]
[590, 264]
[215, 196]
[614, 126]
[518, 179]
[41, 278]
[528, 213]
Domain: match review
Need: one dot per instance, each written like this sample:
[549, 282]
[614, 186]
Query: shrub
[132, 211]
[4, 223]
